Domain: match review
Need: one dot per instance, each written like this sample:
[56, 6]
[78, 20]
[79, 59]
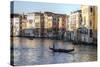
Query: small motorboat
[62, 50]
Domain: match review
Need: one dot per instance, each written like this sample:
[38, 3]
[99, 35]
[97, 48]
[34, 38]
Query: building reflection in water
[36, 51]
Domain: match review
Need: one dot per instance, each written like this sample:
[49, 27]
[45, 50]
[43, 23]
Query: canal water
[36, 52]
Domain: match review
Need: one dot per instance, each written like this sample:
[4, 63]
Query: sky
[28, 7]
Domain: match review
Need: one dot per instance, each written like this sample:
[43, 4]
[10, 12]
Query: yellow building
[39, 24]
[89, 20]
[95, 23]
[35, 22]
[30, 21]
[48, 20]
[49, 24]
[89, 16]
[24, 22]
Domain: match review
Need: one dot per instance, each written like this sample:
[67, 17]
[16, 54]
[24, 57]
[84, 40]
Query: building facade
[74, 23]
[36, 23]
[63, 19]
[30, 25]
[89, 21]
[15, 24]
[48, 20]
[23, 25]
[39, 24]
[30, 20]
[55, 25]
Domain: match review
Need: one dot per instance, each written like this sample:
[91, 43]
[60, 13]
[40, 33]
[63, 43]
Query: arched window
[90, 23]
[90, 32]
[91, 9]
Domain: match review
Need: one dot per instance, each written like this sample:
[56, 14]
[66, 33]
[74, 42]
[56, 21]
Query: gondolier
[61, 50]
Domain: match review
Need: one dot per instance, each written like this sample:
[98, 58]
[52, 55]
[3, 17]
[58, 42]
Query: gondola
[62, 50]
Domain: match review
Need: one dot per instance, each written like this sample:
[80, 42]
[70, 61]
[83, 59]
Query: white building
[74, 23]
[30, 25]
[35, 23]
[15, 24]
[30, 19]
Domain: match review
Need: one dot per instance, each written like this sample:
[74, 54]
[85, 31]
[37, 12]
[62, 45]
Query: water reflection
[36, 51]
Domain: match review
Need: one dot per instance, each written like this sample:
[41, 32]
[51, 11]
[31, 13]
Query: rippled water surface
[36, 51]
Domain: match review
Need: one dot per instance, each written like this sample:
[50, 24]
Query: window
[91, 9]
[30, 21]
[94, 10]
[37, 24]
[90, 23]
[37, 17]
[80, 17]
[90, 32]
[49, 19]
